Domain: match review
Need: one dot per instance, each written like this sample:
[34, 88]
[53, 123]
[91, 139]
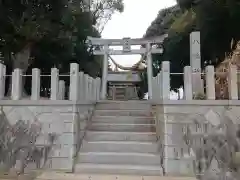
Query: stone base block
[183, 167]
[63, 164]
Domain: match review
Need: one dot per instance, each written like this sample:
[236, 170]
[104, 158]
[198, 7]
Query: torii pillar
[195, 62]
[149, 70]
[104, 73]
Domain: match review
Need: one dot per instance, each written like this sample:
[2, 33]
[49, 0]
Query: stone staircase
[121, 93]
[120, 140]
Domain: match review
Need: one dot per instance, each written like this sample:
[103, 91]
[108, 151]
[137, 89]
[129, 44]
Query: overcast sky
[133, 22]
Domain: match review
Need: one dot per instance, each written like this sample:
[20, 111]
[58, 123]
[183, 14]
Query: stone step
[92, 176]
[123, 106]
[119, 158]
[119, 146]
[121, 92]
[114, 112]
[122, 127]
[123, 119]
[120, 136]
[118, 169]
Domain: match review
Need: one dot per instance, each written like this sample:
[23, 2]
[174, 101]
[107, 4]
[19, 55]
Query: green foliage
[24, 21]
[217, 20]
[54, 31]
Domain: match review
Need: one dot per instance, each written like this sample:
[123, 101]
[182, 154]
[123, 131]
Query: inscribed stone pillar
[195, 62]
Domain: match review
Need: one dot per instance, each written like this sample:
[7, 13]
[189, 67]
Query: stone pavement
[70, 176]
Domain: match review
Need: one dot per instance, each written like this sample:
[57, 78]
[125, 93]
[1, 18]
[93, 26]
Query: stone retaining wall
[174, 117]
[63, 119]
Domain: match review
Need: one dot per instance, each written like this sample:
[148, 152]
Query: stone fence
[65, 119]
[204, 82]
[82, 86]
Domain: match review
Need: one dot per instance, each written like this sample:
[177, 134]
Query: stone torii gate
[146, 48]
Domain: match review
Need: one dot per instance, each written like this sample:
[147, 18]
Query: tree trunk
[21, 60]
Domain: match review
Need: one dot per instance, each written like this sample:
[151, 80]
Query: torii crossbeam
[119, 42]
[146, 48]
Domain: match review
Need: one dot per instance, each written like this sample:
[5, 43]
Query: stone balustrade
[82, 86]
[161, 83]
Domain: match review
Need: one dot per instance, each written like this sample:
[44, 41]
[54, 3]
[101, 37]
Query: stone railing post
[90, 98]
[54, 83]
[17, 84]
[61, 90]
[2, 80]
[74, 82]
[154, 86]
[98, 88]
[81, 85]
[95, 90]
[92, 88]
[35, 95]
[165, 80]
[210, 83]
[232, 83]
[188, 88]
[86, 87]
[159, 82]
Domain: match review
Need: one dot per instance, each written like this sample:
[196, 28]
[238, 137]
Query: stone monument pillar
[195, 62]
